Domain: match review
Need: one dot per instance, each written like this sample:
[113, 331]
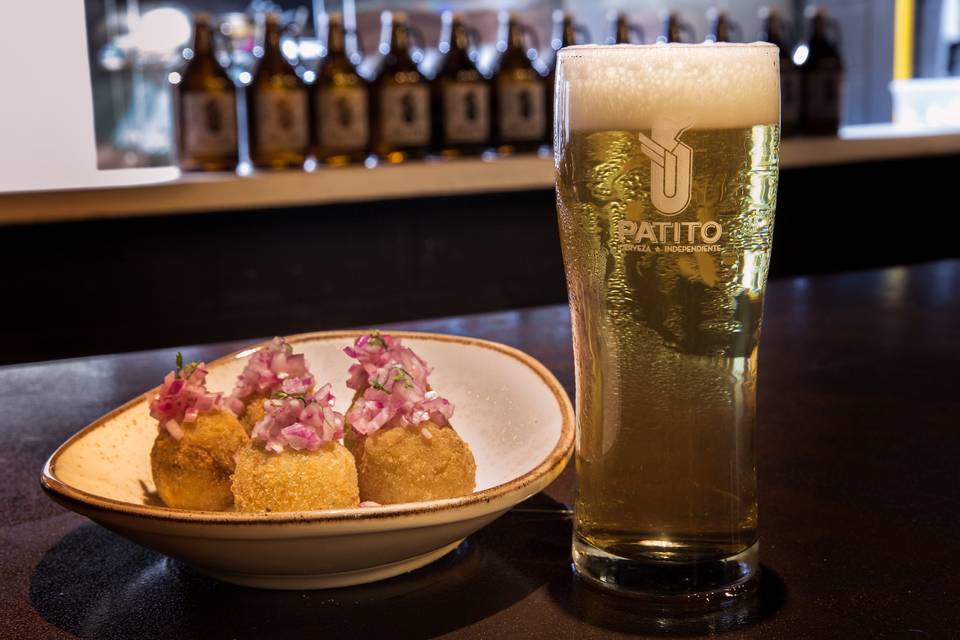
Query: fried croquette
[253, 411]
[193, 472]
[402, 464]
[295, 480]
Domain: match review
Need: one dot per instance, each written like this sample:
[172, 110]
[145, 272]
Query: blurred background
[108, 246]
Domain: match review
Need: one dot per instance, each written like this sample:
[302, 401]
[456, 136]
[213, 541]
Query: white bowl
[509, 408]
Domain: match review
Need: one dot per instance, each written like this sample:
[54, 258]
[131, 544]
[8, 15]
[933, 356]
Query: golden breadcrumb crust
[194, 471]
[400, 464]
[295, 480]
[253, 411]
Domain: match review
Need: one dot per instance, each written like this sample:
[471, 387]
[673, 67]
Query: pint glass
[666, 173]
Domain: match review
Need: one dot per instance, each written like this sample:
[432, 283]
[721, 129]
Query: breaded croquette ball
[253, 411]
[295, 480]
[404, 464]
[193, 471]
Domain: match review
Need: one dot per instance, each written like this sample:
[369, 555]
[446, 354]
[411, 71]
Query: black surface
[858, 446]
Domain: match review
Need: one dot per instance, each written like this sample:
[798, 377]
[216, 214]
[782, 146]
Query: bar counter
[858, 448]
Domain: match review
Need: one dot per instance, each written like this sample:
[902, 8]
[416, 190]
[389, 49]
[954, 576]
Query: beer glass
[666, 173]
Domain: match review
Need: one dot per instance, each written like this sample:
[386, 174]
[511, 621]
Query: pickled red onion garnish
[396, 391]
[300, 421]
[182, 397]
[268, 370]
[377, 353]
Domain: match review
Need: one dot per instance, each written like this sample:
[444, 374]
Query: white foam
[706, 86]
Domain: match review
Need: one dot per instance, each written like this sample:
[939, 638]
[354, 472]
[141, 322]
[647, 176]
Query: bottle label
[342, 118]
[282, 120]
[209, 123]
[522, 112]
[790, 98]
[822, 95]
[405, 114]
[466, 112]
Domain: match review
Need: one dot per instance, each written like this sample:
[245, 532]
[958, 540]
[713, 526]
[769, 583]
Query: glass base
[697, 584]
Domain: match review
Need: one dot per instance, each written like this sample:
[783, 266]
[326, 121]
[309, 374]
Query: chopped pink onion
[370, 503]
[395, 387]
[268, 370]
[306, 422]
[182, 397]
[173, 429]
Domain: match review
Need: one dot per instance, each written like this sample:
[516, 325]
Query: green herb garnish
[376, 339]
[283, 395]
[184, 371]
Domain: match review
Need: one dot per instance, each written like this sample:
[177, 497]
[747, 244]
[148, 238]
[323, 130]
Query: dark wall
[116, 285]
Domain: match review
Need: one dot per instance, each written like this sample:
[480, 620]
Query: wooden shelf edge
[228, 191]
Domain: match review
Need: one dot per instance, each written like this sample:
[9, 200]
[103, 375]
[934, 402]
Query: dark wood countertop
[859, 446]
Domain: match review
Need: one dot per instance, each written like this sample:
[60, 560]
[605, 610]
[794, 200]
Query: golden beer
[667, 165]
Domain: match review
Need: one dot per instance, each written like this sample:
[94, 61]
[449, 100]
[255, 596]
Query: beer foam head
[629, 87]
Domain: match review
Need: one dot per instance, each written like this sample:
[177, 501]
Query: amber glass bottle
[206, 107]
[277, 107]
[821, 71]
[791, 106]
[519, 92]
[460, 95]
[400, 96]
[341, 101]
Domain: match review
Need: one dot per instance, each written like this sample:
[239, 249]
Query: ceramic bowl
[509, 408]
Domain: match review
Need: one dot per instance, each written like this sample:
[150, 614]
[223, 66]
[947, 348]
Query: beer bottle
[719, 26]
[460, 94]
[621, 31]
[519, 100]
[821, 71]
[564, 35]
[400, 96]
[673, 28]
[207, 107]
[341, 103]
[790, 87]
[277, 107]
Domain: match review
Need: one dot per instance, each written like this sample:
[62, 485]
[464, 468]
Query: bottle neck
[671, 29]
[620, 30]
[820, 44]
[455, 40]
[202, 39]
[395, 38]
[271, 42]
[395, 46]
[336, 39]
[564, 34]
[511, 37]
[773, 33]
[720, 30]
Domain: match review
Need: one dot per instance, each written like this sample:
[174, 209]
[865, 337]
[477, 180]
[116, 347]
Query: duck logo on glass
[671, 169]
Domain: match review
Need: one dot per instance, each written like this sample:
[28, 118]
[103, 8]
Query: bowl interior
[509, 409]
